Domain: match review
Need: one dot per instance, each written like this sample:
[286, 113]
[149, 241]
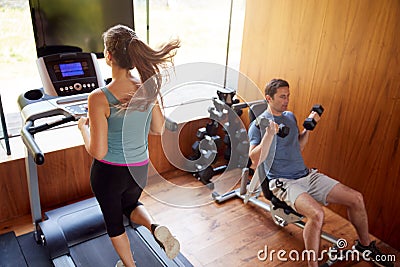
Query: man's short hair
[273, 85]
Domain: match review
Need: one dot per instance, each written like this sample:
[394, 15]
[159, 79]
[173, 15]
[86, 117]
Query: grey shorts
[316, 184]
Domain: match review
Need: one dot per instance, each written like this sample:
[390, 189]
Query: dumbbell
[211, 129]
[195, 147]
[310, 123]
[262, 122]
[205, 175]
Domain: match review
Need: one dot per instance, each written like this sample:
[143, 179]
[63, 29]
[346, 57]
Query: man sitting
[300, 187]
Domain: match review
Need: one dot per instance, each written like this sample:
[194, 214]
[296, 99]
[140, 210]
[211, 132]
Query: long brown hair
[130, 52]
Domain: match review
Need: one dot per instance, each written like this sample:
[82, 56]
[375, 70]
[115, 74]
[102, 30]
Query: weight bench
[249, 191]
[282, 213]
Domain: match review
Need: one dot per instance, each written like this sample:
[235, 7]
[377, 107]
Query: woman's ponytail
[150, 64]
[130, 52]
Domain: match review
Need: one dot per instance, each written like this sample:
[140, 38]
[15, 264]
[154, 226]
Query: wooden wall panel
[344, 55]
[64, 177]
[14, 199]
[187, 136]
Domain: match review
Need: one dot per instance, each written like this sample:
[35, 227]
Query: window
[18, 72]
[202, 27]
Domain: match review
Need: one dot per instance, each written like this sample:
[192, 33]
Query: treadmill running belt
[35, 255]
[99, 252]
[10, 252]
[94, 252]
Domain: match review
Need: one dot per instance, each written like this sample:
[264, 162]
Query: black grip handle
[31, 144]
[29, 130]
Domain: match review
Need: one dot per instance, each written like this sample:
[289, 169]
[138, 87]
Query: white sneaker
[119, 264]
[167, 241]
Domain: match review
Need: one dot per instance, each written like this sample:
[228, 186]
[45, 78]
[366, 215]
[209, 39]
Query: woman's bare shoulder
[97, 95]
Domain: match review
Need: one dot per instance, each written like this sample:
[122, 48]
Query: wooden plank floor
[228, 234]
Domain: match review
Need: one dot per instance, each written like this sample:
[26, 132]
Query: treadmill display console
[71, 69]
[69, 74]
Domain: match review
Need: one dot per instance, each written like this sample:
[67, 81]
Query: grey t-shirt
[284, 159]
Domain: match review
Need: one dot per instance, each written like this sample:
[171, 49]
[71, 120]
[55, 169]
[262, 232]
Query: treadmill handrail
[29, 130]
[31, 144]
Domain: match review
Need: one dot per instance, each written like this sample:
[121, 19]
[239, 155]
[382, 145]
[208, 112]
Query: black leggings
[117, 190]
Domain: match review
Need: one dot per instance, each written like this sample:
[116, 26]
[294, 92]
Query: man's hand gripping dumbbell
[263, 123]
[311, 121]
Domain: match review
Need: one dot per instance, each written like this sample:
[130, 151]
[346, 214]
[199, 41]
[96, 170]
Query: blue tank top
[286, 160]
[127, 133]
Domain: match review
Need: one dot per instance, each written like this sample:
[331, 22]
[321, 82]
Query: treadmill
[73, 235]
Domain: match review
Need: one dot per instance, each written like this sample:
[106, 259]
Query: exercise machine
[282, 214]
[74, 235]
[249, 191]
